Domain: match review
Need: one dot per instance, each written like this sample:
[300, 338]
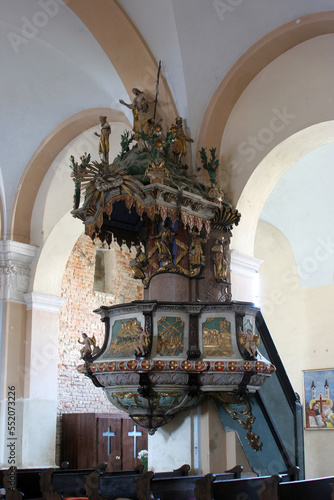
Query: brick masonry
[76, 393]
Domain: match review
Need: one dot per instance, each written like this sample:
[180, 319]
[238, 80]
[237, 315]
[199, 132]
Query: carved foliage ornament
[239, 407]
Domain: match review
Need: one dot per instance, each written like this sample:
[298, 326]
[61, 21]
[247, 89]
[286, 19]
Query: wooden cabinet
[89, 439]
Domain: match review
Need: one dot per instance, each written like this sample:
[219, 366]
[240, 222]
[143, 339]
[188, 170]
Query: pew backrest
[122, 486]
[308, 489]
[247, 488]
[183, 488]
[181, 471]
[174, 488]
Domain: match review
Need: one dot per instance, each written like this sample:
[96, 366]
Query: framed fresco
[319, 397]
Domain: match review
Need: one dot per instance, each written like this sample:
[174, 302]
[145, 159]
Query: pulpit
[89, 439]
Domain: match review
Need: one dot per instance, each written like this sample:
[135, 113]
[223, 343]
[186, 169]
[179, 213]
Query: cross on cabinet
[89, 439]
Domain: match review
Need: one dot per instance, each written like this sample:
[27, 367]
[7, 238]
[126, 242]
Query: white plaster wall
[55, 196]
[175, 444]
[300, 322]
[267, 174]
[292, 93]
[53, 229]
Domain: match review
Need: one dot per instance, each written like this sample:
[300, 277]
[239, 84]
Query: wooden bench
[183, 488]
[119, 486]
[66, 482]
[148, 485]
[97, 484]
[27, 481]
[181, 471]
[245, 488]
[274, 487]
[308, 489]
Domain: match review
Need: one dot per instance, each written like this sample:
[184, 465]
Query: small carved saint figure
[196, 253]
[88, 345]
[141, 115]
[219, 261]
[163, 245]
[139, 263]
[104, 139]
[143, 341]
[180, 141]
[249, 341]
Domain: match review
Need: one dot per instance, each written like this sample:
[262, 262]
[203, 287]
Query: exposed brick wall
[76, 393]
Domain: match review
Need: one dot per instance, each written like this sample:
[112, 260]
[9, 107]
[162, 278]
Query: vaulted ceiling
[60, 58]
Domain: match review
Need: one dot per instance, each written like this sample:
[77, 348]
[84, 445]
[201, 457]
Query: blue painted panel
[266, 461]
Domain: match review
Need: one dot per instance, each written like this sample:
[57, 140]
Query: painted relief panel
[319, 396]
[216, 334]
[170, 336]
[124, 338]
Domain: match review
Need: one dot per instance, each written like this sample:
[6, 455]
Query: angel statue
[249, 341]
[89, 346]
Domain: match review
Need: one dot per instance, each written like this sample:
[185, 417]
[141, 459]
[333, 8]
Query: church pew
[184, 488]
[67, 482]
[52, 484]
[308, 489]
[96, 484]
[181, 471]
[27, 481]
[148, 485]
[245, 488]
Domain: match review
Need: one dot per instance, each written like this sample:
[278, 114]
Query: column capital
[15, 261]
[243, 264]
[43, 302]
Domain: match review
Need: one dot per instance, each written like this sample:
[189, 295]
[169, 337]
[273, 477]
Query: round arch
[41, 161]
[267, 174]
[3, 230]
[116, 34]
[250, 64]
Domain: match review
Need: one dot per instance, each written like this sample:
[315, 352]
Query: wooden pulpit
[89, 439]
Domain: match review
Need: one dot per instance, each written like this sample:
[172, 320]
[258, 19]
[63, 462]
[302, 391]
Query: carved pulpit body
[187, 351]
[186, 339]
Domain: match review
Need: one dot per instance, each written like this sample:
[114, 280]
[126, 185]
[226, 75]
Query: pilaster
[30, 368]
[244, 269]
[15, 261]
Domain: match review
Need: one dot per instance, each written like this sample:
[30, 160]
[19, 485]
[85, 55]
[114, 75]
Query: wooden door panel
[109, 439]
[134, 440]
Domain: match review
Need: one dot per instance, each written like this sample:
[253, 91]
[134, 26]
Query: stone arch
[267, 174]
[2, 208]
[41, 161]
[251, 63]
[116, 34]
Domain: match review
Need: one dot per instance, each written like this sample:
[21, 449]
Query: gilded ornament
[170, 336]
[232, 403]
[180, 141]
[139, 264]
[217, 341]
[104, 139]
[219, 260]
[196, 252]
[156, 172]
